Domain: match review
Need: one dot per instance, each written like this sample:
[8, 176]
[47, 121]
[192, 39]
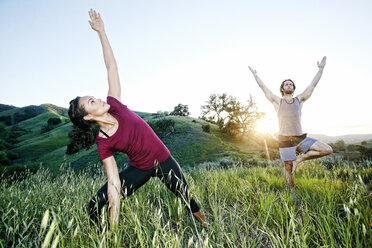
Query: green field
[243, 196]
[245, 206]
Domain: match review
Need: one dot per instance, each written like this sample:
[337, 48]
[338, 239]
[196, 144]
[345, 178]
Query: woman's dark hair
[282, 85]
[82, 135]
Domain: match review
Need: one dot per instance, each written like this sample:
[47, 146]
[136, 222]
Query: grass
[36, 123]
[56, 137]
[245, 206]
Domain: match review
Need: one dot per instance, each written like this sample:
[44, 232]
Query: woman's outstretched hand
[95, 21]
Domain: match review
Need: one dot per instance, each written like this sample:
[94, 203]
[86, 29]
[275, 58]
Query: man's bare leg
[289, 175]
[317, 150]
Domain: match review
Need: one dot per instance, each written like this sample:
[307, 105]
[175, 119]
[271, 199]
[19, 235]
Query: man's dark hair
[282, 85]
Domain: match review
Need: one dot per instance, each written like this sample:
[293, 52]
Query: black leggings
[169, 172]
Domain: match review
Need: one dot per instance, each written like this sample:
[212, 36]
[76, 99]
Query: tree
[181, 110]
[243, 116]
[363, 151]
[231, 116]
[162, 127]
[215, 109]
[339, 145]
[351, 148]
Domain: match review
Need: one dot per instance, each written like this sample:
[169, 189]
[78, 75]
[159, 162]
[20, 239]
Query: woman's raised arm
[112, 69]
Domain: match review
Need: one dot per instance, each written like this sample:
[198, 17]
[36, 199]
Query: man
[291, 138]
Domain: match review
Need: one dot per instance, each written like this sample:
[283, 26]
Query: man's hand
[322, 63]
[309, 90]
[254, 72]
[95, 21]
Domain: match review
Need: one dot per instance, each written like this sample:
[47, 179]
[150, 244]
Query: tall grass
[244, 207]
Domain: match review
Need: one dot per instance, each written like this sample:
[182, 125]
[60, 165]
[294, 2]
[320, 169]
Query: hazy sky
[171, 52]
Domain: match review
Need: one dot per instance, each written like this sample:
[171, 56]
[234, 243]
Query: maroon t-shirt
[133, 137]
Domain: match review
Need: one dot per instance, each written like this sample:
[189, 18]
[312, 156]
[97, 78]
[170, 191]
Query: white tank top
[289, 116]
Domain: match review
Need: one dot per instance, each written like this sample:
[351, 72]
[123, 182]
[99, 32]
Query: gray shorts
[288, 145]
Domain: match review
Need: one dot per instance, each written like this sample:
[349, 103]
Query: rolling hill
[348, 139]
[35, 136]
[30, 140]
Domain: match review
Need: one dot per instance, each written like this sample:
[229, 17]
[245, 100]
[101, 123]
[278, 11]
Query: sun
[267, 125]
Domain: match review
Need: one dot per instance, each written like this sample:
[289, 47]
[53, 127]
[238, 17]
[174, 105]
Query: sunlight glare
[266, 125]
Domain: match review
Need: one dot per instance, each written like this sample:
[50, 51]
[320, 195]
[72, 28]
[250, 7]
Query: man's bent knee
[328, 150]
[321, 148]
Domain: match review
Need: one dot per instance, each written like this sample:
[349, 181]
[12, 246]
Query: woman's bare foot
[200, 217]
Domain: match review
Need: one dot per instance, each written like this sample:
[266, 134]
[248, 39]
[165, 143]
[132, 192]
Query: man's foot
[294, 166]
[200, 217]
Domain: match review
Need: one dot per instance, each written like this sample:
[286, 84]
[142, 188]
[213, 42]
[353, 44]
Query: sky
[171, 52]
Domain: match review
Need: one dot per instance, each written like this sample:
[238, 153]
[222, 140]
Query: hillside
[348, 139]
[30, 139]
[4, 107]
[368, 143]
[38, 135]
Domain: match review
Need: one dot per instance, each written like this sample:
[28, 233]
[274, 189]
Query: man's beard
[290, 92]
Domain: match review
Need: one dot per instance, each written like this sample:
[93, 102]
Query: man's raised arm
[275, 100]
[309, 90]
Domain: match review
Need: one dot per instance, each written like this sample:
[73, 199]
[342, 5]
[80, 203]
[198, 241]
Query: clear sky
[171, 52]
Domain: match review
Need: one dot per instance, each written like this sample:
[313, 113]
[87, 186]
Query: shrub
[4, 160]
[206, 128]
[12, 155]
[162, 113]
[7, 119]
[162, 125]
[54, 121]
[231, 129]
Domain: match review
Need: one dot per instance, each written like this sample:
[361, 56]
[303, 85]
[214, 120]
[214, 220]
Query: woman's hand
[95, 21]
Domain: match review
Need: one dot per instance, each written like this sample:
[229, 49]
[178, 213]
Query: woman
[124, 131]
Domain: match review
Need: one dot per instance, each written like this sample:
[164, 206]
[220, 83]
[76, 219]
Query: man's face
[288, 87]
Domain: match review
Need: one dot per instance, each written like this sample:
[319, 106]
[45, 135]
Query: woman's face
[95, 107]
